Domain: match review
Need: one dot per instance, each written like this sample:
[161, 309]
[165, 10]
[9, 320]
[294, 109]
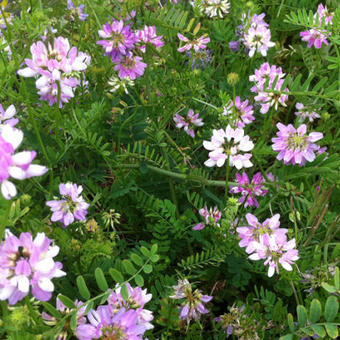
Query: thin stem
[5, 219]
[294, 291]
[226, 181]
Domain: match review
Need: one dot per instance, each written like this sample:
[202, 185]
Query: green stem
[294, 291]
[227, 181]
[5, 219]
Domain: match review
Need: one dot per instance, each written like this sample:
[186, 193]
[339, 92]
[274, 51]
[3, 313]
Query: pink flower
[249, 190]
[324, 13]
[130, 66]
[148, 36]
[6, 117]
[258, 40]
[211, 217]
[196, 45]
[315, 37]
[188, 123]
[25, 262]
[243, 112]
[303, 113]
[17, 165]
[119, 39]
[294, 146]
[72, 206]
[79, 11]
[226, 144]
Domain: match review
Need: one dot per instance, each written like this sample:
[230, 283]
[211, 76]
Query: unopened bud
[232, 78]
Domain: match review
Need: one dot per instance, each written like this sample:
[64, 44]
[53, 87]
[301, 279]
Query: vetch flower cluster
[193, 305]
[249, 189]
[267, 96]
[304, 113]
[119, 319]
[212, 8]
[318, 35]
[6, 117]
[228, 144]
[294, 146]
[59, 69]
[120, 43]
[77, 11]
[15, 165]
[26, 263]
[211, 217]
[196, 44]
[267, 241]
[72, 206]
[189, 122]
[241, 115]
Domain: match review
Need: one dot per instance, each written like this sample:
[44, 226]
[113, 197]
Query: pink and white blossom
[188, 123]
[304, 113]
[211, 217]
[196, 44]
[243, 113]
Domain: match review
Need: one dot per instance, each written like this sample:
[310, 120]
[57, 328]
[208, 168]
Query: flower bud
[232, 78]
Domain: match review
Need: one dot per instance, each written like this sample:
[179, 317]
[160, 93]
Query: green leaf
[328, 287]
[54, 312]
[319, 330]
[125, 293]
[73, 321]
[116, 275]
[139, 280]
[136, 259]
[331, 308]
[315, 311]
[100, 279]
[154, 248]
[302, 315]
[290, 322]
[129, 267]
[145, 251]
[154, 258]
[337, 278]
[89, 306]
[66, 301]
[332, 330]
[83, 290]
[307, 331]
[147, 268]
[287, 337]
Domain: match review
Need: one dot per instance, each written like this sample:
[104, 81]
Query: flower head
[130, 66]
[148, 36]
[212, 8]
[211, 216]
[294, 146]
[15, 165]
[120, 83]
[249, 189]
[6, 117]
[228, 144]
[315, 37]
[26, 263]
[243, 113]
[196, 44]
[78, 11]
[189, 122]
[72, 205]
[304, 113]
[258, 40]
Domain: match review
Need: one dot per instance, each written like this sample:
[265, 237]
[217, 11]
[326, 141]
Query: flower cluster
[318, 35]
[77, 11]
[25, 262]
[294, 146]
[120, 42]
[211, 217]
[15, 165]
[193, 305]
[189, 122]
[72, 206]
[59, 69]
[227, 144]
[267, 241]
[119, 319]
[241, 115]
[6, 117]
[257, 36]
[249, 189]
[212, 8]
[196, 44]
[304, 113]
[268, 98]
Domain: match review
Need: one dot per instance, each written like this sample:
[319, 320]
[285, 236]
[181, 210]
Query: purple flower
[148, 36]
[315, 37]
[234, 45]
[194, 302]
[188, 123]
[258, 40]
[25, 262]
[105, 323]
[211, 217]
[197, 44]
[72, 206]
[130, 66]
[249, 189]
[79, 11]
[227, 144]
[324, 13]
[17, 165]
[303, 113]
[119, 39]
[294, 146]
[243, 112]
[6, 117]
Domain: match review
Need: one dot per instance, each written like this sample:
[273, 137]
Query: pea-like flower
[196, 44]
[189, 122]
